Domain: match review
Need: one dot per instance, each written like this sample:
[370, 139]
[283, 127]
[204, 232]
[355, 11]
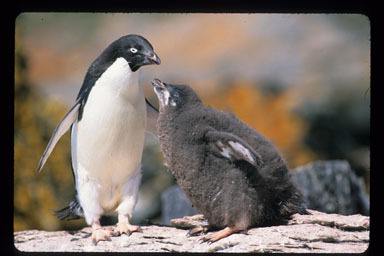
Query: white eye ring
[133, 50]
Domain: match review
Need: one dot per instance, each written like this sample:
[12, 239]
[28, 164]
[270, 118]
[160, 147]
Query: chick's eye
[133, 50]
[176, 94]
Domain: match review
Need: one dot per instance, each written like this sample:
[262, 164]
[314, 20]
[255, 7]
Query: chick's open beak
[157, 83]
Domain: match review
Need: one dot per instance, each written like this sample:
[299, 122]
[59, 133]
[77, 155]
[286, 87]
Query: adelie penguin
[230, 172]
[108, 123]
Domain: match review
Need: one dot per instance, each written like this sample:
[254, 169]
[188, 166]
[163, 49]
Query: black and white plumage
[230, 172]
[108, 124]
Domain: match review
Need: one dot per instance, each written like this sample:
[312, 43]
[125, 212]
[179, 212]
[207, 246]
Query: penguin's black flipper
[72, 212]
[232, 147]
[60, 130]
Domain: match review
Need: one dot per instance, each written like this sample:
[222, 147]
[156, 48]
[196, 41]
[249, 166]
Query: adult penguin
[108, 123]
[230, 172]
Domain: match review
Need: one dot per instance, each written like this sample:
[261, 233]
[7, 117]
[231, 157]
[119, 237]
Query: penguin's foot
[197, 231]
[219, 235]
[100, 234]
[124, 227]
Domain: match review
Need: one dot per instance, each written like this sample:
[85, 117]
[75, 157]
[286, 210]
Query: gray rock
[332, 187]
[175, 204]
[316, 233]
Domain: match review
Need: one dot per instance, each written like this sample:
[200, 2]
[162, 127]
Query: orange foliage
[36, 194]
[269, 114]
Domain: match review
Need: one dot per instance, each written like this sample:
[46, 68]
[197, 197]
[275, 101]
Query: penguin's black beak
[148, 58]
[153, 58]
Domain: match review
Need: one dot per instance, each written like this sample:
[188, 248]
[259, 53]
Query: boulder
[175, 204]
[332, 187]
[316, 233]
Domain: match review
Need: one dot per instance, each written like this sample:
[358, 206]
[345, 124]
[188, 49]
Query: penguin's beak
[154, 59]
[159, 84]
[166, 93]
[148, 58]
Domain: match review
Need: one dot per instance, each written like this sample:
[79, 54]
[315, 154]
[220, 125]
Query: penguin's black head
[174, 97]
[135, 49]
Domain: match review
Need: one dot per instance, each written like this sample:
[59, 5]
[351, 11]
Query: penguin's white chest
[108, 141]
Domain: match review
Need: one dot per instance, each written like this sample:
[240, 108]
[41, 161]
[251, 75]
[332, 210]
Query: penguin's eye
[133, 50]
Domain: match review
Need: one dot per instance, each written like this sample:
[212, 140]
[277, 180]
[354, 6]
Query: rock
[332, 187]
[189, 222]
[319, 232]
[175, 204]
[327, 186]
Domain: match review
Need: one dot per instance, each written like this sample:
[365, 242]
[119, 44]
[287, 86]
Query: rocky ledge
[319, 232]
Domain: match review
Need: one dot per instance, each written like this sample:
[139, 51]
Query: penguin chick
[108, 123]
[230, 172]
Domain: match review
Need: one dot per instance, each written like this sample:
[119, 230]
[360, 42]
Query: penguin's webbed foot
[100, 234]
[125, 228]
[214, 237]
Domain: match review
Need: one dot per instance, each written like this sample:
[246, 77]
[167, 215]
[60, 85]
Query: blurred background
[303, 80]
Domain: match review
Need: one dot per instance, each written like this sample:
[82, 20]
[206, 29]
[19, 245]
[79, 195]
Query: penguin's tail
[72, 212]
